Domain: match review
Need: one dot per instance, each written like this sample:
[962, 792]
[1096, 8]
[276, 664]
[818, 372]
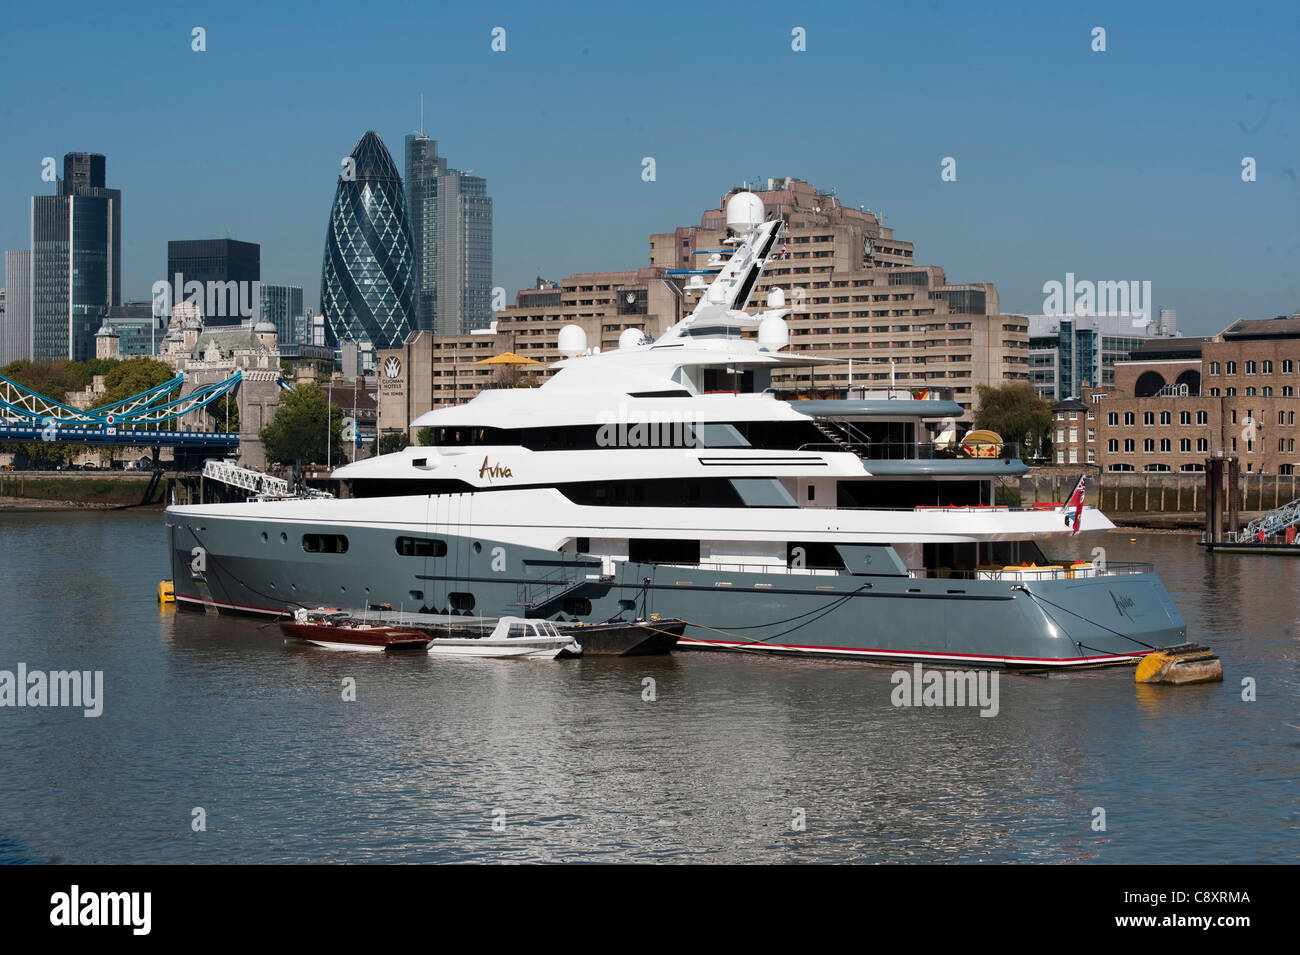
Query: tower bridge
[139, 421]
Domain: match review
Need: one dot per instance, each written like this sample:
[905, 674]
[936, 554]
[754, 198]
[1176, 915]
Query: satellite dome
[572, 341]
[776, 298]
[744, 213]
[773, 335]
[631, 338]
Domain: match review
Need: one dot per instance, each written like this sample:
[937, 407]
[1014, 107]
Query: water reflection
[219, 712]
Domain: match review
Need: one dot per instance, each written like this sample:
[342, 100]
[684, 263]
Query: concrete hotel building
[853, 288]
[857, 293]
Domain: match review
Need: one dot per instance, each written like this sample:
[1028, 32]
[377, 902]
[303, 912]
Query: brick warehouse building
[1176, 403]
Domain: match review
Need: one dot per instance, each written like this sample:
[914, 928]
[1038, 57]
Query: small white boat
[511, 637]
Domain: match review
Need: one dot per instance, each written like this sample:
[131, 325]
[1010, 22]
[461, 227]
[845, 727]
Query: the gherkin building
[368, 281]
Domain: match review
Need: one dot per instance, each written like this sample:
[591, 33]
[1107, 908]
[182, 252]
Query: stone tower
[107, 343]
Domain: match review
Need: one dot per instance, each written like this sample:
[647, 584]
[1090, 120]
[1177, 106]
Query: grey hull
[261, 567]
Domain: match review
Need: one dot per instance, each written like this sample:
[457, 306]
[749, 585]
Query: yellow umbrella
[507, 358]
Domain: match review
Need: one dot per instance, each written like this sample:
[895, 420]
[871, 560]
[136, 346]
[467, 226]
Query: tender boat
[636, 639]
[337, 630]
[511, 637]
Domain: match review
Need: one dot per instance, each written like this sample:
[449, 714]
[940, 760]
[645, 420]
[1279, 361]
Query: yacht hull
[260, 567]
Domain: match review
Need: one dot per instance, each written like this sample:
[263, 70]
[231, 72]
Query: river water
[739, 758]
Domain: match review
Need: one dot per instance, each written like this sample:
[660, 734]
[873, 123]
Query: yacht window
[663, 551]
[421, 547]
[324, 543]
[577, 606]
[813, 555]
[893, 494]
[517, 630]
[664, 492]
[719, 436]
[763, 492]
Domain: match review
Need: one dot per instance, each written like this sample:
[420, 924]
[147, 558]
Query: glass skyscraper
[282, 307]
[451, 217]
[368, 281]
[16, 327]
[76, 260]
[423, 167]
[216, 263]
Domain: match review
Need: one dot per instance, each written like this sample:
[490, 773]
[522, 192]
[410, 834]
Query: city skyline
[1115, 165]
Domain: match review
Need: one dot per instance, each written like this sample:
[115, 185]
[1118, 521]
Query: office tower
[1068, 353]
[451, 219]
[16, 327]
[76, 241]
[282, 307]
[368, 281]
[139, 330]
[225, 269]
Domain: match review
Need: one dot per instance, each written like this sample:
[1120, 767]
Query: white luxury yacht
[667, 477]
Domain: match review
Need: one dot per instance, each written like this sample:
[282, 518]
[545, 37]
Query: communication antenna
[421, 114]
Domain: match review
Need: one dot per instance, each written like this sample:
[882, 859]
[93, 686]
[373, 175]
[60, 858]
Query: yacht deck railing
[1059, 571]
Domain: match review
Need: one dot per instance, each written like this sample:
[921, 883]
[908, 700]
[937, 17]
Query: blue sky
[1117, 165]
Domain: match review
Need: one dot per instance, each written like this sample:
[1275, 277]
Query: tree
[1016, 412]
[130, 377]
[391, 442]
[53, 379]
[424, 437]
[297, 432]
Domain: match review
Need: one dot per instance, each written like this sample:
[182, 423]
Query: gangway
[255, 482]
[1273, 522]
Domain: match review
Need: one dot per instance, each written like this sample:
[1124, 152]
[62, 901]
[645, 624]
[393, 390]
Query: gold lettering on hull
[491, 471]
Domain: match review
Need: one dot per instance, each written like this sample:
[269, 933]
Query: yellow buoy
[166, 592]
[1178, 665]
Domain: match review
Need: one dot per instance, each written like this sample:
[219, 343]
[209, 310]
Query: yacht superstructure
[666, 477]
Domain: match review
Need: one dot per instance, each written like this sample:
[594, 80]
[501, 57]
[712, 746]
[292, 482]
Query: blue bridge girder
[214, 440]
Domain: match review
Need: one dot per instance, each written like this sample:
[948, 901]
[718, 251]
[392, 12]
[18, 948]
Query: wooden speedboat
[337, 630]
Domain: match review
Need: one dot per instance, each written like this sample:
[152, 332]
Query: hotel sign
[392, 384]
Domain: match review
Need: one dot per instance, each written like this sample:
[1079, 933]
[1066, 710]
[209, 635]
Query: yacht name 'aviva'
[666, 477]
